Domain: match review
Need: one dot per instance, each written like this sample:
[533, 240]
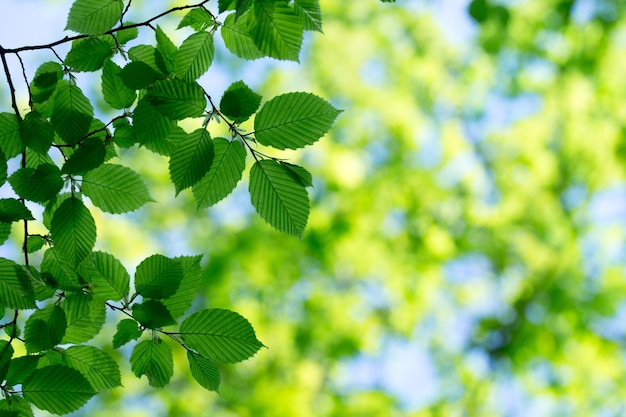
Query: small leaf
[177, 99]
[154, 360]
[115, 188]
[96, 366]
[194, 56]
[37, 132]
[127, 330]
[293, 120]
[106, 276]
[37, 184]
[114, 90]
[239, 102]
[158, 277]
[85, 317]
[10, 139]
[5, 232]
[222, 336]
[197, 18]
[303, 176]
[34, 243]
[89, 154]
[204, 371]
[226, 171]
[152, 314]
[12, 210]
[43, 85]
[94, 17]
[189, 286]
[58, 389]
[237, 38]
[16, 290]
[88, 54]
[72, 113]
[6, 353]
[276, 29]
[167, 49]
[309, 13]
[124, 135]
[191, 160]
[73, 231]
[44, 329]
[278, 197]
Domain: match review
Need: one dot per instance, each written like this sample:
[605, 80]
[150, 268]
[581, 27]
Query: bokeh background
[465, 251]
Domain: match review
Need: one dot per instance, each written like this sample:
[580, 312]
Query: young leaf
[278, 197]
[88, 155]
[189, 286]
[114, 90]
[158, 277]
[237, 38]
[194, 56]
[139, 75]
[204, 371]
[21, 368]
[154, 360]
[96, 366]
[6, 353]
[152, 314]
[16, 290]
[197, 18]
[276, 29]
[302, 175]
[94, 17]
[115, 188]
[309, 13]
[167, 49]
[88, 54]
[12, 210]
[106, 276]
[222, 336]
[239, 102]
[191, 160]
[85, 317]
[58, 389]
[72, 113]
[152, 128]
[37, 132]
[10, 140]
[15, 406]
[226, 171]
[73, 231]
[127, 330]
[293, 120]
[177, 99]
[44, 329]
[37, 184]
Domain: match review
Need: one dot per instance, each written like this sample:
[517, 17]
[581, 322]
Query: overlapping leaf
[85, 316]
[15, 406]
[115, 188]
[88, 54]
[114, 90]
[97, 367]
[10, 140]
[37, 132]
[152, 128]
[88, 155]
[12, 210]
[158, 277]
[106, 276]
[73, 231]
[94, 17]
[177, 99]
[154, 360]
[44, 329]
[72, 112]
[152, 314]
[189, 286]
[276, 29]
[239, 102]
[37, 184]
[237, 37]
[16, 290]
[309, 13]
[191, 160]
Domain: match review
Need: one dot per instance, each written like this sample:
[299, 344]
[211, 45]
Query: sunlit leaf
[44, 329]
[10, 141]
[194, 56]
[97, 367]
[85, 316]
[197, 18]
[189, 286]
[191, 160]
[73, 230]
[237, 37]
[106, 276]
[276, 29]
[72, 113]
[309, 13]
[115, 188]
[127, 330]
[93, 17]
[158, 277]
[114, 90]
[88, 54]
[58, 389]
[239, 102]
[16, 290]
[154, 360]
[204, 371]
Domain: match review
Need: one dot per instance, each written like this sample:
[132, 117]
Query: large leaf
[222, 336]
[88, 155]
[194, 56]
[177, 99]
[127, 330]
[10, 141]
[16, 290]
[97, 367]
[114, 91]
[189, 287]
[88, 54]
[73, 231]
[279, 197]
[72, 113]
[37, 184]
[154, 360]
[158, 277]
[152, 128]
[204, 371]
[191, 160]
[276, 29]
[94, 17]
[239, 102]
[293, 120]
[85, 316]
[58, 389]
[237, 38]
[226, 171]
[44, 329]
[37, 132]
[115, 188]
[12, 210]
[106, 276]
[309, 13]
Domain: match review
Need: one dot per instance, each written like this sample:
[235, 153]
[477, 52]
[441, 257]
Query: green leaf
[139, 75]
[58, 389]
[12, 210]
[85, 316]
[34, 243]
[303, 176]
[37, 132]
[15, 406]
[94, 17]
[226, 171]
[197, 18]
[191, 160]
[88, 54]
[6, 353]
[242, 7]
[309, 13]
[124, 135]
[42, 283]
[106, 276]
[10, 140]
[114, 90]
[239, 102]
[167, 49]
[127, 330]
[5, 232]
[293, 120]
[224, 5]
[115, 188]
[16, 290]
[152, 128]
[72, 113]
[152, 314]
[96, 366]
[62, 273]
[21, 368]
[44, 83]
[154, 360]
[189, 286]
[278, 197]
[51, 207]
[44, 329]
[89, 154]
[194, 56]
[276, 29]
[151, 56]
[73, 231]
[222, 336]
[237, 38]
[204, 371]
[37, 184]
[3, 168]
[158, 277]
[177, 99]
